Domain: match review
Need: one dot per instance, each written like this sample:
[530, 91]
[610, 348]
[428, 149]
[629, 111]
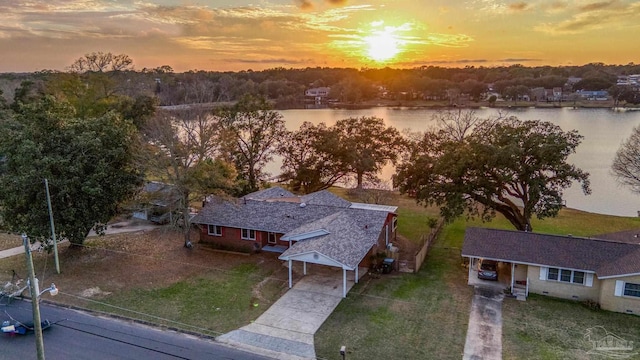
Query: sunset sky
[237, 35]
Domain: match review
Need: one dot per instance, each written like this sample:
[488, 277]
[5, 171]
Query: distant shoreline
[607, 104]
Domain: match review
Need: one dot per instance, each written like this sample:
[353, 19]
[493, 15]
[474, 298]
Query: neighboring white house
[605, 271]
[318, 94]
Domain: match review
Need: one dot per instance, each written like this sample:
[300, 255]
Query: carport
[338, 240]
[505, 274]
[315, 257]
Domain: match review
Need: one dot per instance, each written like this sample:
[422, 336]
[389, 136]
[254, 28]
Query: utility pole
[53, 227]
[35, 293]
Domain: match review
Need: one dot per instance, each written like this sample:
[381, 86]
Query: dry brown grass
[136, 262]
[8, 241]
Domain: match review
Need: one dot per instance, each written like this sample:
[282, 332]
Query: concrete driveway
[286, 329]
[484, 334]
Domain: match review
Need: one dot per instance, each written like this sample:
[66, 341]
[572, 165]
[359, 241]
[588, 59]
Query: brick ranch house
[605, 270]
[318, 228]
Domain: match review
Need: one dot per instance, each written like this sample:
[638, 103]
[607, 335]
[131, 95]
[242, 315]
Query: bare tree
[182, 150]
[251, 134]
[626, 164]
[102, 62]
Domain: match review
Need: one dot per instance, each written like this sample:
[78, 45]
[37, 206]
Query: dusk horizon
[238, 35]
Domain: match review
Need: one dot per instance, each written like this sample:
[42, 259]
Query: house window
[564, 275]
[248, 234]
[271, 238]
[578, 277]
[631, 289]
[215, 230]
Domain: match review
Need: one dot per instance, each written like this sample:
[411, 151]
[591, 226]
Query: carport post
[356, 274]
[513, 275]
[470, 266]
[290, 273]
[304, 268]
[344, 282]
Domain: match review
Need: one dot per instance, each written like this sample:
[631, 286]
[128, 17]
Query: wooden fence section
[426, 240]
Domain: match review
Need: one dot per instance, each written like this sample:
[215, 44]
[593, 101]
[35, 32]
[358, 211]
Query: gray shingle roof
[352, 231]
[351, 234]
[325, 198]
[279, 217]
[270, 193]
[604, 257]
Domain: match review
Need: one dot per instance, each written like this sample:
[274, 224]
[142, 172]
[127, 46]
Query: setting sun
[383, 46]
[384, 43]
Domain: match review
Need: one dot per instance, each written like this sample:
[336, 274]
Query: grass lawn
[211, 303]
[548, 328]
[150, 276]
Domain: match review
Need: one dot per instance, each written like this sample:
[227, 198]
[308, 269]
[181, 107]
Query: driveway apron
[286, 329]
[484, 335]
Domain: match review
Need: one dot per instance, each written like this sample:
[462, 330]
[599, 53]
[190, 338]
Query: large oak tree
[312, 158]
[508, 166]
[367, 145]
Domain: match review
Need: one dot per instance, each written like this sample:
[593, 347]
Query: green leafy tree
[250, 133]
[512, 167]
[181, 149]
[88, 163]
[311, 158]
[367, 145]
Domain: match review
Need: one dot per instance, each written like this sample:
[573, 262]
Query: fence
[426, 240]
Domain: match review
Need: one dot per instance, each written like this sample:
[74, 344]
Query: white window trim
[249, 231]
[275, 238]
[587, 280]
[215, 227]
[620, 288]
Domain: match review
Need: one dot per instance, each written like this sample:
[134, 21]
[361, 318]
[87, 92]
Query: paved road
[85, 336]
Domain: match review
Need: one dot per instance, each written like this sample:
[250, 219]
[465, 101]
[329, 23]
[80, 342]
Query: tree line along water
[603, 130]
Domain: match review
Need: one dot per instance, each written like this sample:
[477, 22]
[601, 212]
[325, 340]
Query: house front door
[271, 238]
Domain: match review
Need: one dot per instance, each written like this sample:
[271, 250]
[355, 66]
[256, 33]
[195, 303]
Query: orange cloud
[337, 2]
[597, 6]
[304, 4]
[518, 6]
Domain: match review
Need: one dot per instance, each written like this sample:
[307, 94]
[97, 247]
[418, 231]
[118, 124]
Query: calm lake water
[603, 130]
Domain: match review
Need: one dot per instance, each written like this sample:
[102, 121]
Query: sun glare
[383, 44]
